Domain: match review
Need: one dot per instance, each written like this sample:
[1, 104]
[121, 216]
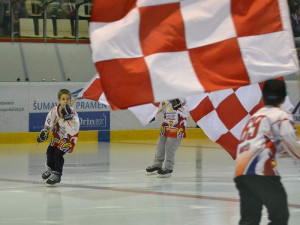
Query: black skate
[47, 173]
[164, 173]
[54, 178]
[152, 170]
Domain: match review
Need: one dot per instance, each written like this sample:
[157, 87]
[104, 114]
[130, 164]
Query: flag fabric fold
[93, 91]
[152, 50]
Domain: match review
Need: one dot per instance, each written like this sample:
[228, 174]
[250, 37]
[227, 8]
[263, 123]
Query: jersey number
[251, 128]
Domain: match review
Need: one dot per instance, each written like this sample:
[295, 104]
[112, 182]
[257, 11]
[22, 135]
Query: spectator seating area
[60, 16]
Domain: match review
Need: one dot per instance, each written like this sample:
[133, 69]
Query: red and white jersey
[65, 129]
[174, 124]
[269, 133]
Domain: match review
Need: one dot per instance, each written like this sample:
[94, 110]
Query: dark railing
[45, 5]
[37, 10]
[12, 15]
[77, 5]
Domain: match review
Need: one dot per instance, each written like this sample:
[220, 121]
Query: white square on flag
[167, 68]
[111, 37]
[257, 51]
[249, 96]
[215, 25]
[212, 125]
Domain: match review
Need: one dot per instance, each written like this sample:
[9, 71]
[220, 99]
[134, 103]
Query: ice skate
[54, 178]
[164, 173]
[47, 173]
[152, 170]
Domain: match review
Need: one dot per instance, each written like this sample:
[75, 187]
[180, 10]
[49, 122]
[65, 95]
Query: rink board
[95, 136]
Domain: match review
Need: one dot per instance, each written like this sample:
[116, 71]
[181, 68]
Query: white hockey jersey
[174, 124]
[64, 129]
[270, 132]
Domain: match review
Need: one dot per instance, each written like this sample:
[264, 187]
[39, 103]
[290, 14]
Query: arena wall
[24, 105]
[37, 61]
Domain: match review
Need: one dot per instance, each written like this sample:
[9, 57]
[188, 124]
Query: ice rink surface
[105, 183]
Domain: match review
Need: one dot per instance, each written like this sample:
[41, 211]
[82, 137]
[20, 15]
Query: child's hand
[67, 112]
[153, 119]
[43, 136]
[176, 104]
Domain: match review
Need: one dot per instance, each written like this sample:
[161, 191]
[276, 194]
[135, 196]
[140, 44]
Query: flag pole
[159, 111]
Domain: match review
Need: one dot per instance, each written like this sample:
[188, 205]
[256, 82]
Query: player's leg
[274, 198]
[250, 204]
[171, 147]
[57, 171]
[59, 160]
[65, 145]
[50, 164]
[159, 157]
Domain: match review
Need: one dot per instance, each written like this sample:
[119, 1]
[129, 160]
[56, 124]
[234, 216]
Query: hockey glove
[67, 113]
[43, 135]
[176, 104]
[153, 119]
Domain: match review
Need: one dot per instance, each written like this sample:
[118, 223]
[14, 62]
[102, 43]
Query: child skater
[65, 134]
[269, 133]
[171, 133]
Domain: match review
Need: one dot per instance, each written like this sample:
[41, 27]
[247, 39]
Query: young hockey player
[269, 133]
[171, 133]
[65, 134]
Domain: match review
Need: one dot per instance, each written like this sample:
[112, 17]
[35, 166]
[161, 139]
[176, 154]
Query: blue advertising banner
[88, 121]
[36, 121]
[94, 120]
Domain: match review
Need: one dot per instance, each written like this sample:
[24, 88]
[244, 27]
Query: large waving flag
[153, 50]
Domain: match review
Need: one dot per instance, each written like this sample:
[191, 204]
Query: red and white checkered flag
[153, 50]
[223, 114]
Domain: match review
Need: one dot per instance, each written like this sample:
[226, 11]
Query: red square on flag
[161, 29]
[219, 65]
[202, 109]
[255, 17]
[131, 79]
[229, 143]
[110, 11]
[233, 107]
